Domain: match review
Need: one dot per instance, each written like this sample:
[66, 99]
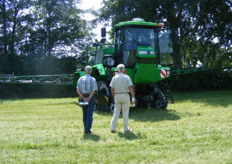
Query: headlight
[142, 52]
[109, 62]
[145, 52]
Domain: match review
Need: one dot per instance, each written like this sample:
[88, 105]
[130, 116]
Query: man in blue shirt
[86, 87]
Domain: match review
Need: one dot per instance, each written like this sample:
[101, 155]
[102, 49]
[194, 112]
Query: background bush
[205, 80]
[36, 91]
[215, 79]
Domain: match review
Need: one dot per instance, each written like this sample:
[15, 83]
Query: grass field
[196, 129]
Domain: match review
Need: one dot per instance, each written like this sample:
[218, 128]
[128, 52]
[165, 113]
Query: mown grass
[196, 129]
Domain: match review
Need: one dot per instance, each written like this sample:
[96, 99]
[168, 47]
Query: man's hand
[133, 101]
[86, 99]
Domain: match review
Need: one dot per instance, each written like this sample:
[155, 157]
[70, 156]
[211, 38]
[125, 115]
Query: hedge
[205, 80]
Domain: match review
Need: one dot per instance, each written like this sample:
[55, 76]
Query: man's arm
[78, 89]
[112, 91]
[79, 93]
[94, 85]
[131, 90]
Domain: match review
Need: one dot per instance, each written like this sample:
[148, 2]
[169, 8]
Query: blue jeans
[88, 114]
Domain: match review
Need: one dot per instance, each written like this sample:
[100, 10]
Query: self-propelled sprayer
[137, 45]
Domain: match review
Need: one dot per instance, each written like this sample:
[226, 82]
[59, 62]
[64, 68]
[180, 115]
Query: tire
[104, 93]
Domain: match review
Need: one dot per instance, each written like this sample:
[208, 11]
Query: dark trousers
[88, 114]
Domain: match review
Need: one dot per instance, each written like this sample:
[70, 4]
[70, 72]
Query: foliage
[196, 129]
[36, 91]
[49, 65]
[12, 63]
[215, 79]
[32, 27]
[58, 25]
[210, 39]
[39, 36]
[13, 21]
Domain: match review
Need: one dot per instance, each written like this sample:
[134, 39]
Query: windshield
[138, 37]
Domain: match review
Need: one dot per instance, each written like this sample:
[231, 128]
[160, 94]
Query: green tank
[139, 45]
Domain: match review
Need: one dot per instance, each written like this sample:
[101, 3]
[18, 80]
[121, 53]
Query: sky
[92, 4]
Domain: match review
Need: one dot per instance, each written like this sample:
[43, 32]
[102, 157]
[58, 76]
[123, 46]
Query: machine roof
[136, 22]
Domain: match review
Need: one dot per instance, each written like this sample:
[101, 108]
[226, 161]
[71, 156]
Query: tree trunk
[5, 41]
[174, 23]
[12, 42]
[176, 49]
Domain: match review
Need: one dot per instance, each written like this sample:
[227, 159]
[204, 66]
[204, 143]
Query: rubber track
[160, 96]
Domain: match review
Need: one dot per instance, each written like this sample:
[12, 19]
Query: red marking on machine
[164, 73]
[116, 72]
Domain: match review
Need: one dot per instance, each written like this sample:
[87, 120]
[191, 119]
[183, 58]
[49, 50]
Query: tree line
[32, 29]
[34, 33]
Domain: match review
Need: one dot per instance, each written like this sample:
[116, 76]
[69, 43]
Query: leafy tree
[208, 34]
[33, 30]
[13, 20]
[58, 27]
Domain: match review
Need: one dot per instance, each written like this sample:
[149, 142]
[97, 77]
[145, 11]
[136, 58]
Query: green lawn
[196, 129]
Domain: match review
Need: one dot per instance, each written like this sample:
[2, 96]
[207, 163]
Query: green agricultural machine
[137, 45]
[141, 46]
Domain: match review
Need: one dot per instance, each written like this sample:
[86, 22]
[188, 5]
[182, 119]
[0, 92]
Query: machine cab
[127, 41]
[139, 39]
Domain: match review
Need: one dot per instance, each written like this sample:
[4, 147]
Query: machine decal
[163, 73]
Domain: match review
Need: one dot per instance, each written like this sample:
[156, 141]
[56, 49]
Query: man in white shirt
[121, 86]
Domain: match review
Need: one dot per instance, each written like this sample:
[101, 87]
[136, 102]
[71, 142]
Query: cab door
[118, 46]
[165, 48]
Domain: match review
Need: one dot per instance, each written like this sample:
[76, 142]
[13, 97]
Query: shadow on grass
[144, 114]
[103, 113]
[212, 98]
[92, 137]
[128, 135]
[152, 115]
